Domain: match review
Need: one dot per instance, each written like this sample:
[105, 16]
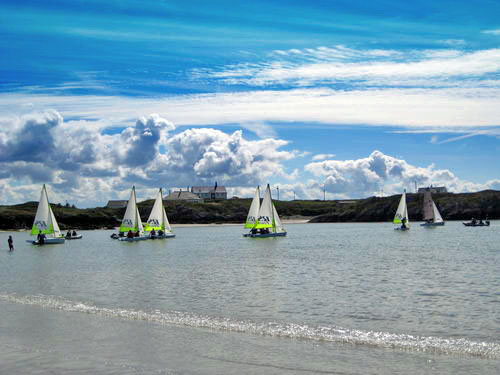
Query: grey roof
[181, 195]
[208, 189]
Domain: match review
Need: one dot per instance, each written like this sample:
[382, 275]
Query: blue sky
[360, 97]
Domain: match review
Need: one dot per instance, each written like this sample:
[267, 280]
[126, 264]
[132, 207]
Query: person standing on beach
[11, 243]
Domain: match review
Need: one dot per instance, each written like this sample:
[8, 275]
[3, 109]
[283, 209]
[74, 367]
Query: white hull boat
[431, 215]
[45, 223]
[131, 222]
[48, 241]
[263, 220]
[77, 237]
[158, 221]
[133, 239]
[401, 216]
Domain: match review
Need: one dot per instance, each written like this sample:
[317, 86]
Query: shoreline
[286, 222]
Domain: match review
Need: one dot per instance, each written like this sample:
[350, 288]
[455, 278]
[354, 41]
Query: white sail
[131, 219]
[437, 215]
[45, 221]
[402, 211]
[57, 231]
[253, 213]
[158, 218]
[278, 227]
[265, 217]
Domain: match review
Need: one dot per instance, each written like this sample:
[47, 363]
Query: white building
[210, 192]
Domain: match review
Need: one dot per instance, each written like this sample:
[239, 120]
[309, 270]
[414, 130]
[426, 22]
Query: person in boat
[160, 233]
[74, 233]
[481, 222]
[473, 221]
[130, 234]
[40, 238]
[136, 234]
[10, 241]
[153, 233]
[403, 223]
[68, 234]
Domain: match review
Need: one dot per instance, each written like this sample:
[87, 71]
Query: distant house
[210, 192]
[117, 204]
[432, 189]
[186, 196]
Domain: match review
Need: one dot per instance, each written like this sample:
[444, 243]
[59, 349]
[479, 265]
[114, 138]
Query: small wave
[276, 329]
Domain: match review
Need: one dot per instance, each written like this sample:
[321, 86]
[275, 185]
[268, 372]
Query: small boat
[432, 217]
[45, 223]
[263, 220]
[401, 216]
[77, 237]
[475, 223]
[158, 221]
[131, 222]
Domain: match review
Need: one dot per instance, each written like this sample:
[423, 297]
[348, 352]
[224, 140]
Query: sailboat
[432, 216]
[401, 216]
[131, 222]
[158, 220]
[45, 223]
[263, 220]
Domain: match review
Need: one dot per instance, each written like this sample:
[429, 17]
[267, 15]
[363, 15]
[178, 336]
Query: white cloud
[322, 157]
[439, 108]
[86, 167]
[492, 32]
[370, 67]
[377, 172]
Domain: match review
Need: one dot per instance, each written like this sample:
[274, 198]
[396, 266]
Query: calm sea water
[327, 299]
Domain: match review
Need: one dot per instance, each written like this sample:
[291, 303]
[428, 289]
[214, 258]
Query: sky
[352, 97]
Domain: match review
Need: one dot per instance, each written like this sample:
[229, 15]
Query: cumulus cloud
[85, 162]
[202, 155]
[31, 139]
[377, 172]
[139, 145]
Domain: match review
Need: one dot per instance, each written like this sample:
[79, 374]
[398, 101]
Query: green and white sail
[402, 211]
[132, 219]
[253, 213]
[158, 218]
[265, 217]
[45, 221]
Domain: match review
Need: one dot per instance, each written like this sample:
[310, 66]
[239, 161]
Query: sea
[347, 298]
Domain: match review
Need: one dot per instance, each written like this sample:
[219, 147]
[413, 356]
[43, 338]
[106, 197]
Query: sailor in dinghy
[45, 226]
[401, 216]
[264, 220]
[157, 225]
[131, 222]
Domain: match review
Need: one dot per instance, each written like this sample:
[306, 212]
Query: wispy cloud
[441, 109]
[322, 157]
[364, 67]
[492, 32]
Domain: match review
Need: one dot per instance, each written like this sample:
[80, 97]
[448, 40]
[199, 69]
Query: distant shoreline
[463, 206]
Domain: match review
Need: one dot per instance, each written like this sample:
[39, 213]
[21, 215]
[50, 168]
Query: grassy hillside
[452, 207]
